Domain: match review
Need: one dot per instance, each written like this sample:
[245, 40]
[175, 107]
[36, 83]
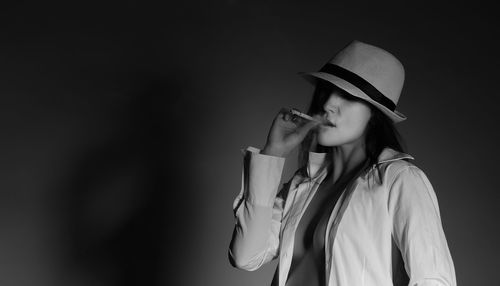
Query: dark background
[122, 124]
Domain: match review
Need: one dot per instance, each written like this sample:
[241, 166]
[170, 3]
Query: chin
[328, 142]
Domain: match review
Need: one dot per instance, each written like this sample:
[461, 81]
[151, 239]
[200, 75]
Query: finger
[287, 116]
[284, 111]
[280, 114]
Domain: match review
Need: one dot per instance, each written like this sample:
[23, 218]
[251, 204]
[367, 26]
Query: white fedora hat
[367, 72]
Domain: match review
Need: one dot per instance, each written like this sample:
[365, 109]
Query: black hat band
[360, 83]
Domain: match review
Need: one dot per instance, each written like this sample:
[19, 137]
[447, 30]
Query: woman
[357, 211]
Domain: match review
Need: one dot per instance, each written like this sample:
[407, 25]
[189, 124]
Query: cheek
[355, 127]
[355, 124]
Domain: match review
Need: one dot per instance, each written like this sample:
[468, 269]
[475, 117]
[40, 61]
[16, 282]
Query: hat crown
[375, 65]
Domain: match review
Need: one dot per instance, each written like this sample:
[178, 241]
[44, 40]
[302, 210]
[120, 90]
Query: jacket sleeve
[258, 210]
[418, 231]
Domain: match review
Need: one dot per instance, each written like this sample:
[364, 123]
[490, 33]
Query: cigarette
[305, 116]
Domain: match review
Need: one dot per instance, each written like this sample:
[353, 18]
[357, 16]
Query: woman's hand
[286, 133]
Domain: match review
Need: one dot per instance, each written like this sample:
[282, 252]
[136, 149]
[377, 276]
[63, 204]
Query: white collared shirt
[397, 204]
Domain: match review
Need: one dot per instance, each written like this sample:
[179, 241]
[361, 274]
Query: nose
[327, 116]
[332, 105]
[331, 109]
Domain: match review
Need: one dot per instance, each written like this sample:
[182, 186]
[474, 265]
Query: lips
[328, 123]
[324, 122]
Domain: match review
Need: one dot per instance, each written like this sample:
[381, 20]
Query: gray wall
[122, 125]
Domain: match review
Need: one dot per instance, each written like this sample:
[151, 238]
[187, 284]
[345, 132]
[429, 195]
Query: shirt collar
[387, 155]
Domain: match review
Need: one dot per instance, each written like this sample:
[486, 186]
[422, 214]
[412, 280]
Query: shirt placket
[333, 222]
[289, 234]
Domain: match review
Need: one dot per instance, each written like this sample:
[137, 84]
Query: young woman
[357, 211]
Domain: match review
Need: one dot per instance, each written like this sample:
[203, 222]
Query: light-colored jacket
[396, 206]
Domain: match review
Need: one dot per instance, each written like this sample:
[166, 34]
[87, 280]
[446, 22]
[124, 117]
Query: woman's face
[350, 118]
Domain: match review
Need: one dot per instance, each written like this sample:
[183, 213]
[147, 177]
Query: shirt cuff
[263, 173]
[257, 150]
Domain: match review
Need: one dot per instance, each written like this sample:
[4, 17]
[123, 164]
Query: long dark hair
[380, 130]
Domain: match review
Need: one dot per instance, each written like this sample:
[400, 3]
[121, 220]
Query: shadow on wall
[116, 218]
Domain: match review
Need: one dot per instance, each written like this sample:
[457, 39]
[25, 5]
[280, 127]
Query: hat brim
[312, 77]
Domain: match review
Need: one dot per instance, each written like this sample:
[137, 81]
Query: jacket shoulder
[397, 166]
[387, 171]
